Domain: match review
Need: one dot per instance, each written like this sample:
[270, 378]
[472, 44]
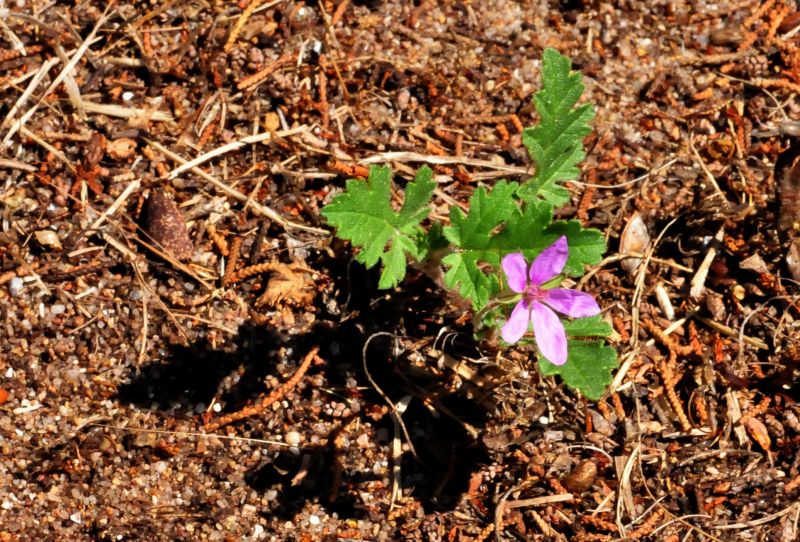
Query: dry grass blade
[65, 71]
[234, 146]
[113, 110]
[258, 207]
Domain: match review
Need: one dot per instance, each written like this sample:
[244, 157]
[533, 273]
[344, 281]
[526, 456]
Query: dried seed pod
[634, 238]
[582, 476]
[165, 226]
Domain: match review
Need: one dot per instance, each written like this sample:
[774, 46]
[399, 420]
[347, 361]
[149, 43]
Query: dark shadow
[447, 454]
[192, 375]
[315, 470]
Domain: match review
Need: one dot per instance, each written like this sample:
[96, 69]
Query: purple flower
[537, 303]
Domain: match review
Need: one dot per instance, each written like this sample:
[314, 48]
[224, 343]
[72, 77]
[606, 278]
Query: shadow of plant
[337, 476]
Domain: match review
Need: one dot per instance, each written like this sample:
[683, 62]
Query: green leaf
[586, 245]
[471, 236]
[531, 231]
[363, 215]
[593, 326]
[556, 144]
[588, 367]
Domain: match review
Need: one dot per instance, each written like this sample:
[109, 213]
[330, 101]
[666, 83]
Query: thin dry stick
[640, 276]
[149, 291]
[29, 270]
[631, 357]
[263, 210]
[261, 75]
[59, 78]
[243, 18]
[624, 493]
[380, 391]
[536, 501]
[397, 449]
[188, 434]
[112, 110]
[233, 146]
[730, 332]
[116, 205]
[699, 280]
[23, 98]
[407, 156]
[13, 164]
[276, 395]
[145, 324]
[48, 147]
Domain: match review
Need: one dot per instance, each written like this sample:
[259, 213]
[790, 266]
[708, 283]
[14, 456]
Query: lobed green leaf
[363, 215]
[556, 144]
[592, 326]
[588, 367]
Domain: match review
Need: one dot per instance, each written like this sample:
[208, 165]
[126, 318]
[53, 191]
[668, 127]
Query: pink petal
[517, 324]
[549, 334]
[572, 303]
[515, 267]
[550, 262]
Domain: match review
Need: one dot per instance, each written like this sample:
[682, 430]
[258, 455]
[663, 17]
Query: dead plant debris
[132, 325]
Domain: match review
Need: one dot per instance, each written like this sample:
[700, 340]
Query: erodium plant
[485, 252]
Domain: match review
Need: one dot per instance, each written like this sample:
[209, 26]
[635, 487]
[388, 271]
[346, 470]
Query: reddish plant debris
[416, 426]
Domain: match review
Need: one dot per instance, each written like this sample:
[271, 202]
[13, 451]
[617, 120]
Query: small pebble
[15, 286]
[314, 520]
[58, 308]
[293, 438]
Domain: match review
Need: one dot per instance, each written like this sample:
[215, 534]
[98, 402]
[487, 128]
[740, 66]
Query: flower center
[533, 292]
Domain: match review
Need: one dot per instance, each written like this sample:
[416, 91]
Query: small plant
[505, 227]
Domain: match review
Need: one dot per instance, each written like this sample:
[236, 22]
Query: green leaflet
[363, 215]
[588, 367]
[593, 326]
[556, 144]
[471, 237]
